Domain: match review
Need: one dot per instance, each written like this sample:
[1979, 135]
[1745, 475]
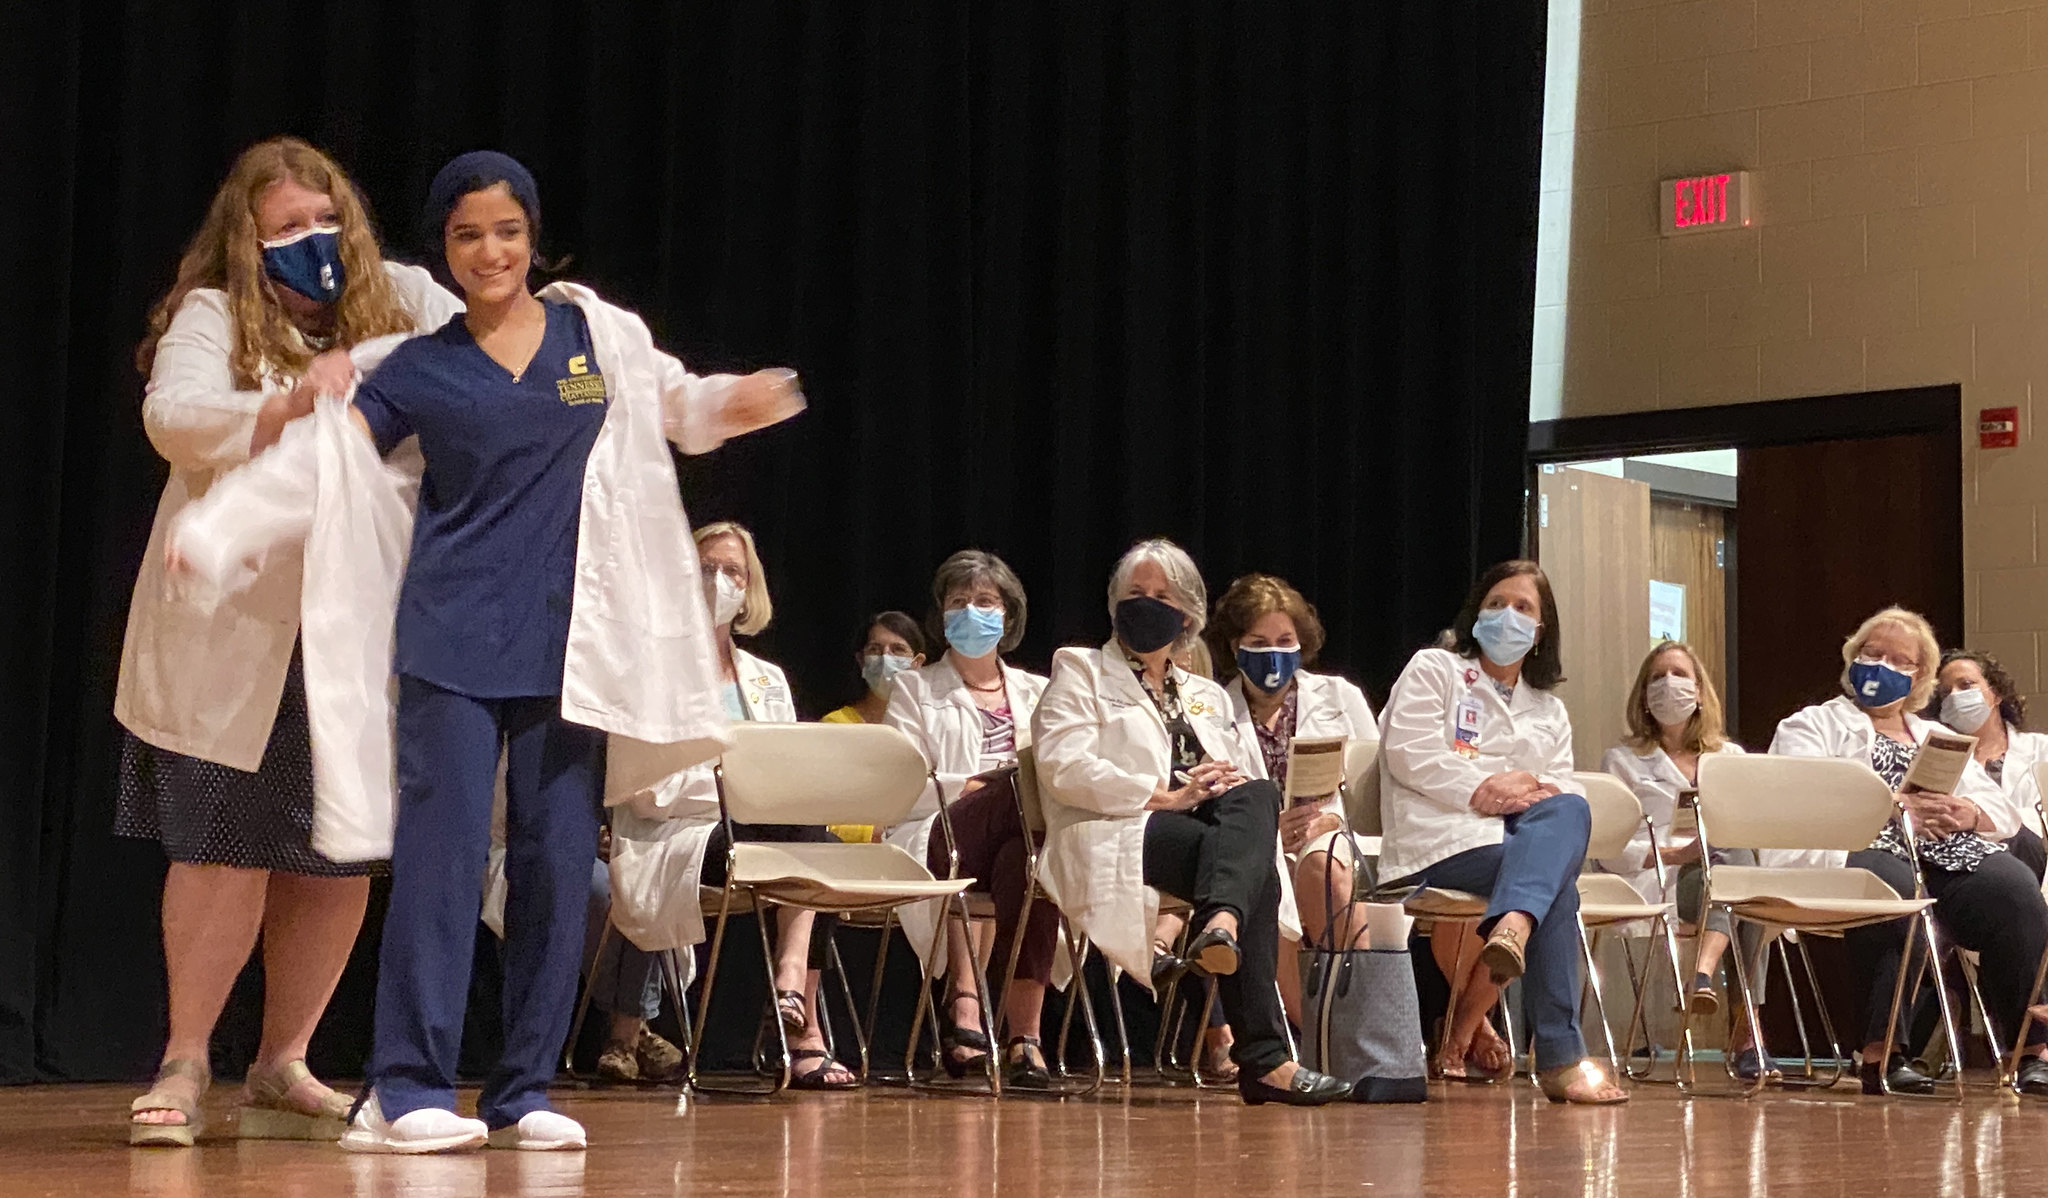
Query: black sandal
[954, 1037]
[789, 1007]
[1020, 1072]
[819, 1078]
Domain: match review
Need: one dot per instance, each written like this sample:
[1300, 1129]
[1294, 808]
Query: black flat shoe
[1308, 1088]
[1903, 1078]
[1166, 970]
[2034, 1077]
[1024, 1069]
[1214, 952]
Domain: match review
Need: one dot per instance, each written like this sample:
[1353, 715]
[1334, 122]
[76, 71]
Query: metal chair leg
[860, 1038]
[583, 1004]
[1599, 1000]
[1923, 926]
[696, 1075]
[2019, 1041]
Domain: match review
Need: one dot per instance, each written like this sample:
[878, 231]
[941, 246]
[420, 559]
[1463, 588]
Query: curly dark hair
[2012, 706]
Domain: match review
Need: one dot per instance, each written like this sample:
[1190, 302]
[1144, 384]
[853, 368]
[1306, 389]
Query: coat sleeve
[2002, 806]
[1414, 746]
[267, 502]
[1558, 769]
[1802, 734]
[1067, 731]
[1357, 711]
[690, 404]
[194, 415]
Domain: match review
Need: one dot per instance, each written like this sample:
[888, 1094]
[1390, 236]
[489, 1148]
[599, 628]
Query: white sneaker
[542, 1131]
[428, 1129]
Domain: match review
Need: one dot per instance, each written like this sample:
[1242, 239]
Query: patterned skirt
[205, 813]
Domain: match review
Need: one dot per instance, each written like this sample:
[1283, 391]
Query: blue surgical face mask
[1504, 635]
[1268, 669]
[880, 670]
[1876, 684]
[974, 631]
[308, 263]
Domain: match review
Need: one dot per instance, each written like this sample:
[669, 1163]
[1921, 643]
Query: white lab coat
[1656, 781]
[204, 678]
[1102, 750]
[1839, 728]
[934, 708]
[639, 660]
[659, 835]
[1324, 705]
[2023, 751]
[1426, 786]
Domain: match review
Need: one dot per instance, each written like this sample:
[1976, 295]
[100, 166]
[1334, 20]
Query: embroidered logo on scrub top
[581, 387]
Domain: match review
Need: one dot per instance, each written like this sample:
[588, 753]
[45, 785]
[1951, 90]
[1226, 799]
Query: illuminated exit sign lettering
[1702, 203]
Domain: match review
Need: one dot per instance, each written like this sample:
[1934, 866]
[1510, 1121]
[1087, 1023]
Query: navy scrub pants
[448, 748]
[1534, 870]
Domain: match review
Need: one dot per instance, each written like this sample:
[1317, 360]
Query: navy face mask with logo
[308, 263]
[1270, 670]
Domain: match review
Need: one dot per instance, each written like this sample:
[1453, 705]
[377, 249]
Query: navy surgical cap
[476, 171]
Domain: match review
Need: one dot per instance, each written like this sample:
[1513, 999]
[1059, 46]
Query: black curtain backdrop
[1256, 277]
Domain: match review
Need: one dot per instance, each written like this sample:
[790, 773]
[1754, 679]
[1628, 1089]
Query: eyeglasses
[1904, 665]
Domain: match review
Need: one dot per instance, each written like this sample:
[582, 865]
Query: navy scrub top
[484, 610]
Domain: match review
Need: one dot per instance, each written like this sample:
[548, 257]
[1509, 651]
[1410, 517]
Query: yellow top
[845, 715]
[851, 833]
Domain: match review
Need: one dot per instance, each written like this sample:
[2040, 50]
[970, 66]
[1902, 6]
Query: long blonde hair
[1705, 732]
[226, 254]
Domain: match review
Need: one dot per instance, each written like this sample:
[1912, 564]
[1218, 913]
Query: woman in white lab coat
[282, 294]
[970, 713]
[1147, 788]
[1976, 697]
[1262, 633]
[1985, 900]
[1673, 714]
[1476, 796]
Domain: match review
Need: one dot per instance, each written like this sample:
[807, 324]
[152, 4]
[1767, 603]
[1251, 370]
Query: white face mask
[724, 597]
[1671, 699]
[1965, 710]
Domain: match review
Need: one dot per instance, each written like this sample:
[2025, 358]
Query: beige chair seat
[1815, 899]
[837, 877]
[1608, 899]
[1433, 902]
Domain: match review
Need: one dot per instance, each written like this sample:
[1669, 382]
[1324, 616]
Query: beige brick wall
[1900, 154]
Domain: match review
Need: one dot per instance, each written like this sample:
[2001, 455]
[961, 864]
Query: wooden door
[1688, 546]
[1594, 541]
[1828, 532]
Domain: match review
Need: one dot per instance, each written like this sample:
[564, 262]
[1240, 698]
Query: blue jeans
[624, 979]
[1534, 870]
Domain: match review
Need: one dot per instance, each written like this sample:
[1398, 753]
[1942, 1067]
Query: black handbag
[1362, 1009]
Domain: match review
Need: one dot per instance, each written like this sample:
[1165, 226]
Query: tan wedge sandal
[1556, 1085]
[170, 1135]
[267, 1112]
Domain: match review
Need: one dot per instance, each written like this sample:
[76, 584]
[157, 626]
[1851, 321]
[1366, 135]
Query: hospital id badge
[1465, 732]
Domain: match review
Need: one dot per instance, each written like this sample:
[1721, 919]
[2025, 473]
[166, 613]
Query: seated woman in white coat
[282, 294]
[1475, 795]
[1984, 899]
[1673, 712]
[964, 713]
[1976, 697]
[1147, 788]
[668, 841]
[1263, 633]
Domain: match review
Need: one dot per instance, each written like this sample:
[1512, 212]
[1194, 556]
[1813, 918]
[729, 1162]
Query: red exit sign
[1703, 202]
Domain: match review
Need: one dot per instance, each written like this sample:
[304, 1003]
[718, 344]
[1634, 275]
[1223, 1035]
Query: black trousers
[1219, 857]
[819, 955]
[1995, 911]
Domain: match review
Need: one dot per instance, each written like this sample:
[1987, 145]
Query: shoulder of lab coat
[2024, 751]
[428, 303]
[1415, 738]
[765, 688]
[1836, 728]
[932, 706]
[191, 409]
[690, 403]
[1066, 734]
[1328, 701]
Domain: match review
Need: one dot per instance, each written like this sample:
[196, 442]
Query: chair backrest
[820, 774]
[1617, 813]
[1757, 801]
[1362, 787]
[1029, 804]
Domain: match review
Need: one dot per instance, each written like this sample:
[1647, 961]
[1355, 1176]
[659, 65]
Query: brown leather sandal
[170, 1135]
[1503, 956]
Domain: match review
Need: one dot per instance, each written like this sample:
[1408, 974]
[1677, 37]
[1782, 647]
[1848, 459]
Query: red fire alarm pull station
[1998, 428]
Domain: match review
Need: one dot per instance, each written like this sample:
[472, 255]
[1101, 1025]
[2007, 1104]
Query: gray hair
[1184, 586]
[968, 569]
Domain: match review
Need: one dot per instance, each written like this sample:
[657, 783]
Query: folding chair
[816, 774]
[1764, 802]
[1608, 901]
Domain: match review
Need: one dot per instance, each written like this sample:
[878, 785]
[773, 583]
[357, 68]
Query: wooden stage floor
[69, 1140]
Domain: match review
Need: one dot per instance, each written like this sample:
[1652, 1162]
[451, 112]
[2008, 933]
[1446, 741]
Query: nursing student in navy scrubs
[507, 402]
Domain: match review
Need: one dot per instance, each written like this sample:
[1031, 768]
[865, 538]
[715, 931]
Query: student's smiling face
[489, 245]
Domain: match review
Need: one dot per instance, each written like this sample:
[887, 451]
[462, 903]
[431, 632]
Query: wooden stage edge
[70, 1140]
